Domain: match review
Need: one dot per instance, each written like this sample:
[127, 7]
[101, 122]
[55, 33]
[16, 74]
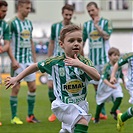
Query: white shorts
[22, 67]
[70, 114]
[129, 87]
[105, 93]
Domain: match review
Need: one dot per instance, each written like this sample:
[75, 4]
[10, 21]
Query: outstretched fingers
[8, 86]
[7, 79]
[7, 82]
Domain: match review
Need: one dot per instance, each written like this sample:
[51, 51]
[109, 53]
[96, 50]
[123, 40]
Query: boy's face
[114, 58]
[72, 44]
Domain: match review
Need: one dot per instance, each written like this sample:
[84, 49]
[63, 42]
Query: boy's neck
[112, 63]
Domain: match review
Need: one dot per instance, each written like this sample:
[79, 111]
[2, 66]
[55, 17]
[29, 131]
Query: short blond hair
[68, 29]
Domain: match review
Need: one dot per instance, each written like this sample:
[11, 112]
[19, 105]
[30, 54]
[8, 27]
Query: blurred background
[46, 12]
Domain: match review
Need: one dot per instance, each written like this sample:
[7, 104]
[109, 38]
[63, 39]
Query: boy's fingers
[7, 79]
[7, 86]
[7, 83]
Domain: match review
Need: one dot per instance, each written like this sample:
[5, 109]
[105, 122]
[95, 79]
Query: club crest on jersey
[25, 34]
[94, 35]
[73, 86]
[62, 71]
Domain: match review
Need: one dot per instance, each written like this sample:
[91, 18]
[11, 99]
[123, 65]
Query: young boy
[106, 90]
[126, 58]
[54, 48]
[71, 73]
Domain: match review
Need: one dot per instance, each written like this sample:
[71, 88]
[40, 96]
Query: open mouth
[75, 49]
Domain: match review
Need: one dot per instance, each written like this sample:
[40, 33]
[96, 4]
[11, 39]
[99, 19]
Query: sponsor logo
[75, 100]
[73, 86]
[95, 44]
[25, 34]
[94, 35]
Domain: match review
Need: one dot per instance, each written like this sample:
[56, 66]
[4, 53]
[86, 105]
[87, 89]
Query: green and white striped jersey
[98, 47]
[55, 34]
[4, 30]
[108, 70]
[21, 33]
[127, 58]
[70, 83]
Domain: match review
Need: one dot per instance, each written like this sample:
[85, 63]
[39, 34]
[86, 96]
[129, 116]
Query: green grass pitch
[42, 111]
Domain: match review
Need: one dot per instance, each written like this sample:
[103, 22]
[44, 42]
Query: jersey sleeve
[108, 27]
[85, 36]
[6, 34]
[121, 73]
[45, 66]
[124, 59]
[53, 35]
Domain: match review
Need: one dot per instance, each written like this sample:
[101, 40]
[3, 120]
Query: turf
[42, 111]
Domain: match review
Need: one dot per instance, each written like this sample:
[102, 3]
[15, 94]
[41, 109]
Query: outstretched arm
[92, 72]
[12, 81]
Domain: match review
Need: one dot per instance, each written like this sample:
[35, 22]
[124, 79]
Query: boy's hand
[72, 61]
[113, 80]
[10, 82]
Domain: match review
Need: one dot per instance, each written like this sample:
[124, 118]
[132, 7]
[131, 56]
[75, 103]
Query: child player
[106, 90]
[126, 58]
[71, 73]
